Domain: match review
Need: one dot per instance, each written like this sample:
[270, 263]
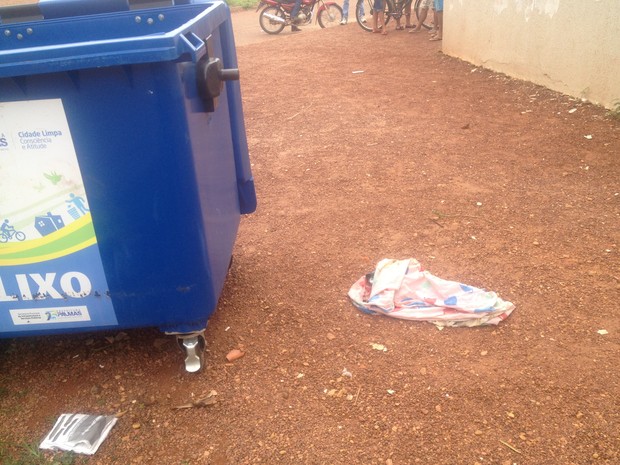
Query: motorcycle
[276, 14]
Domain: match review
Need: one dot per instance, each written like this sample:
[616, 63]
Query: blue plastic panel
[110, 39]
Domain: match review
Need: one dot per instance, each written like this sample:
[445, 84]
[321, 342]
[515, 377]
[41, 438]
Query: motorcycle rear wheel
[330, 16]
[269, 25]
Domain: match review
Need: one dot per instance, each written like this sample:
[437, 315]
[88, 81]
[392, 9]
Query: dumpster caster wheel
[193, 347]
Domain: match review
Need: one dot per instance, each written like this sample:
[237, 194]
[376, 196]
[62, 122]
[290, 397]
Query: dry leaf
[234, 355]
[204, 402]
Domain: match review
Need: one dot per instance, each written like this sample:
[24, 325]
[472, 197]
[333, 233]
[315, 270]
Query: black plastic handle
[231, 74]
[210, 77]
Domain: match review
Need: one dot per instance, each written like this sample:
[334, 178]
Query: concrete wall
[572, 46]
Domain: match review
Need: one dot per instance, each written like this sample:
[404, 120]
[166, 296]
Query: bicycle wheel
[268, 21]
[427, 22]
[330, 16]
[363, 13]
[3, 238]
[20, 236]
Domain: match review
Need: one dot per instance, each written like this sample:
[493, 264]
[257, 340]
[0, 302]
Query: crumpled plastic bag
[402, 289]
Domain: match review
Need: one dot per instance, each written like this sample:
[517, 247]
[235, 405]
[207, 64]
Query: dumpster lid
[56, 36]
[50, 9]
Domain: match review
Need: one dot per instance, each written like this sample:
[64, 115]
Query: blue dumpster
[124, 166]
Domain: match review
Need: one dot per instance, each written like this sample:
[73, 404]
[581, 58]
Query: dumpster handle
[194, 45]
[210, 77]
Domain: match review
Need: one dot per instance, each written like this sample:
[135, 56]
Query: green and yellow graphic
[70, 239]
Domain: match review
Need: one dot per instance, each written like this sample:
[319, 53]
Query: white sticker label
[51, 270]
[32, 316]
[42, 187]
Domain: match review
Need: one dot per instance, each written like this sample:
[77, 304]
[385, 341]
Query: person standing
[438, 21]
[378, 17]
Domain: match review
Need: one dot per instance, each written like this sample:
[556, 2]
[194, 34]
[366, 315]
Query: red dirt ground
[484, 179]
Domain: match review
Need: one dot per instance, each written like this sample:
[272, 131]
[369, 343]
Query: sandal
[399, 28]
[411, 26]
[435, 38]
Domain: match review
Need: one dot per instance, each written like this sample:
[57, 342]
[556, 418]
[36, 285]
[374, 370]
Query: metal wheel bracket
[193, 346]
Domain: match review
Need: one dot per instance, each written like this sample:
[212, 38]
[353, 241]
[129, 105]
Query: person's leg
[295, 10]
[421, 19]
[382, 18]
[362, 13]
[345, 12]
[294, 13]
[433, 30]
[376, 8]
[382, 23]
[440, 23]
[438, 20]
[408, 24]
